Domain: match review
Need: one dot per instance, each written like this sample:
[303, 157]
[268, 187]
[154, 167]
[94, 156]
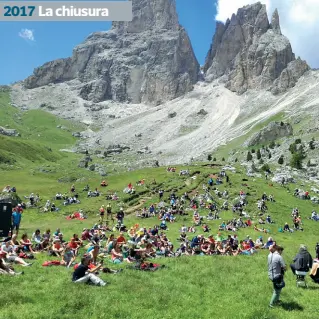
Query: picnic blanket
[76, 216]
[51, 263]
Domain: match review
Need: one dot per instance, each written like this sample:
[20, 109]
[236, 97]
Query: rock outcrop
[252, 53]
[149, 59]
[8, 132]
[271, 132]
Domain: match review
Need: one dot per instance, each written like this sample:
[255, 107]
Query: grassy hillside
[189, 287]
[40, 138]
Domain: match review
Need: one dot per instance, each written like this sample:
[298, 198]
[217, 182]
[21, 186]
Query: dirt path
[141, 202]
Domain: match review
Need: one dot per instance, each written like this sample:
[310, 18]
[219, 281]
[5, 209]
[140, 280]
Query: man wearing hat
[303, 260]
[276, 269]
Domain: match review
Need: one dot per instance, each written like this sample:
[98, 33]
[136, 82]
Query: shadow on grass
[313, 287]
[290, 306]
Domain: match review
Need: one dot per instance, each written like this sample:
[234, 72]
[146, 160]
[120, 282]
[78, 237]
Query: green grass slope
[40, 139]
[190, 287]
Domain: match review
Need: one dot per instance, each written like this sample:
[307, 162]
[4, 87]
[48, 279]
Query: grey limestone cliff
[149, 59]
[252, 53]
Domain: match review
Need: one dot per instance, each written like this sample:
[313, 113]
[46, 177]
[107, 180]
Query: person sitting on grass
[205, 228]
[121, 239]
[47, 234]
[6, 269]
[78, 240]
[220, 249]
[57, 232]
[205, 248]
[104, 184]
[86, 234]
[222, 226]
[44, 245]
[57, 248]
[36, 237]
[10, 256]
[74, 246]
[82, 274]
[287, 228]
[116, 254]
[26, 243]
[68, 257]
[259, 242]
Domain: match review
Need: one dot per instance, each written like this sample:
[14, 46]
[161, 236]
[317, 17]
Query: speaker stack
[5, 219]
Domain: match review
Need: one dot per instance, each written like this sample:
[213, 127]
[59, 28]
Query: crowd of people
[87, 251]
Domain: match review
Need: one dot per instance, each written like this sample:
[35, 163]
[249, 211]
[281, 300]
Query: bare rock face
[271, 132]
[252, 53]
[149, 59]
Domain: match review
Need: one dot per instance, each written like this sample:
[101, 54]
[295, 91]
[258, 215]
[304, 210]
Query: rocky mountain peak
[148, 60]
[150, 15]
[250, 53]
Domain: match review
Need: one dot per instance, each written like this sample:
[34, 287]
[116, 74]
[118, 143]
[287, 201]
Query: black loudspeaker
[5, 219]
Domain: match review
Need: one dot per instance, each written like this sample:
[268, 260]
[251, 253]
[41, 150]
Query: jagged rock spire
[275, 23]
[250, 53]
[150, 15]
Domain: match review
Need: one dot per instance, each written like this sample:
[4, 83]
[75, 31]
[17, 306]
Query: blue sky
[53, 40]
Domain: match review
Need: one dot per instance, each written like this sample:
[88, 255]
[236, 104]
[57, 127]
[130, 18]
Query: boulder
[12, 198]
[271, 132]
[8, 132]
[277, 178]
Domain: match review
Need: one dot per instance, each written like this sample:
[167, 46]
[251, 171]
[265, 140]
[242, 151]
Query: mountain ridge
[167, 115]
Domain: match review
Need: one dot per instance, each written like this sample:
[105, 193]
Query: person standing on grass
[120, 216]
[102, 213]
[16, 220]
[82, 274]
[109, 211]
[276, 270]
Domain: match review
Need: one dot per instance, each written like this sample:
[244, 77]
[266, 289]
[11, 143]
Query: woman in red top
[74, 246]
[121, 239]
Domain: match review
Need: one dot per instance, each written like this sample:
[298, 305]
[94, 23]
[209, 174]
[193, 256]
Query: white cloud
[298, 19]
[27, 35]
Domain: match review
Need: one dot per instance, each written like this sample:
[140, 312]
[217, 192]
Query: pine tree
[253, 151]
[223, 159]
[296, 160]
[308, 164]
[236, 160]
[214, 159]
[249, 157]
[272, 145]
[209, 157]
[269, 155]
[293, 148]
[258, 154]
